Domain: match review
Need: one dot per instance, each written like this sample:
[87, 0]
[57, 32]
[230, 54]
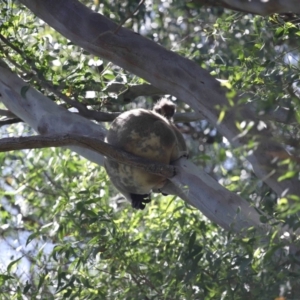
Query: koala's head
[165, 108]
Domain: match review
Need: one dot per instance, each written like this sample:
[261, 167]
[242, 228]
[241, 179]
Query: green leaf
[26, 288]
[13, 263]
[192, 241]
[32, 237]
[4, 278]
[287, 175]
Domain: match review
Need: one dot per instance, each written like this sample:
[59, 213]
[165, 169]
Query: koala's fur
[147, 134]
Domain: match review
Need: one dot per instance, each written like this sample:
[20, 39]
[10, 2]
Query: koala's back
[146, 134]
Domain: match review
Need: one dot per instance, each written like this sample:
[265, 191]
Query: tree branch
[7, 113]
[10, 121]
[38, 142]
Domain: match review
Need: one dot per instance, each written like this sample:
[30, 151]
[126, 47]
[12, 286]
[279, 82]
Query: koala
[148, 134]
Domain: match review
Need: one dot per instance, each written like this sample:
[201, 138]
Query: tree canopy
[229, 228]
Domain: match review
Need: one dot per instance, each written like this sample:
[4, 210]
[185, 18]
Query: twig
[130, 16]
[10, 121]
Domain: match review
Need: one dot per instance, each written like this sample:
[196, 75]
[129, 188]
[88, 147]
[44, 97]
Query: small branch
[10, 121]
[187, 117]
[134, 91]
[7, 113]
[130, 16]
[38, 142]
[126, 93]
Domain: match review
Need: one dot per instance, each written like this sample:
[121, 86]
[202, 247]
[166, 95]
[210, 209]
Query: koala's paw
[139, 201]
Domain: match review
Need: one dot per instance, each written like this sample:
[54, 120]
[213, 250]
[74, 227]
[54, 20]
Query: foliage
[65, 233]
